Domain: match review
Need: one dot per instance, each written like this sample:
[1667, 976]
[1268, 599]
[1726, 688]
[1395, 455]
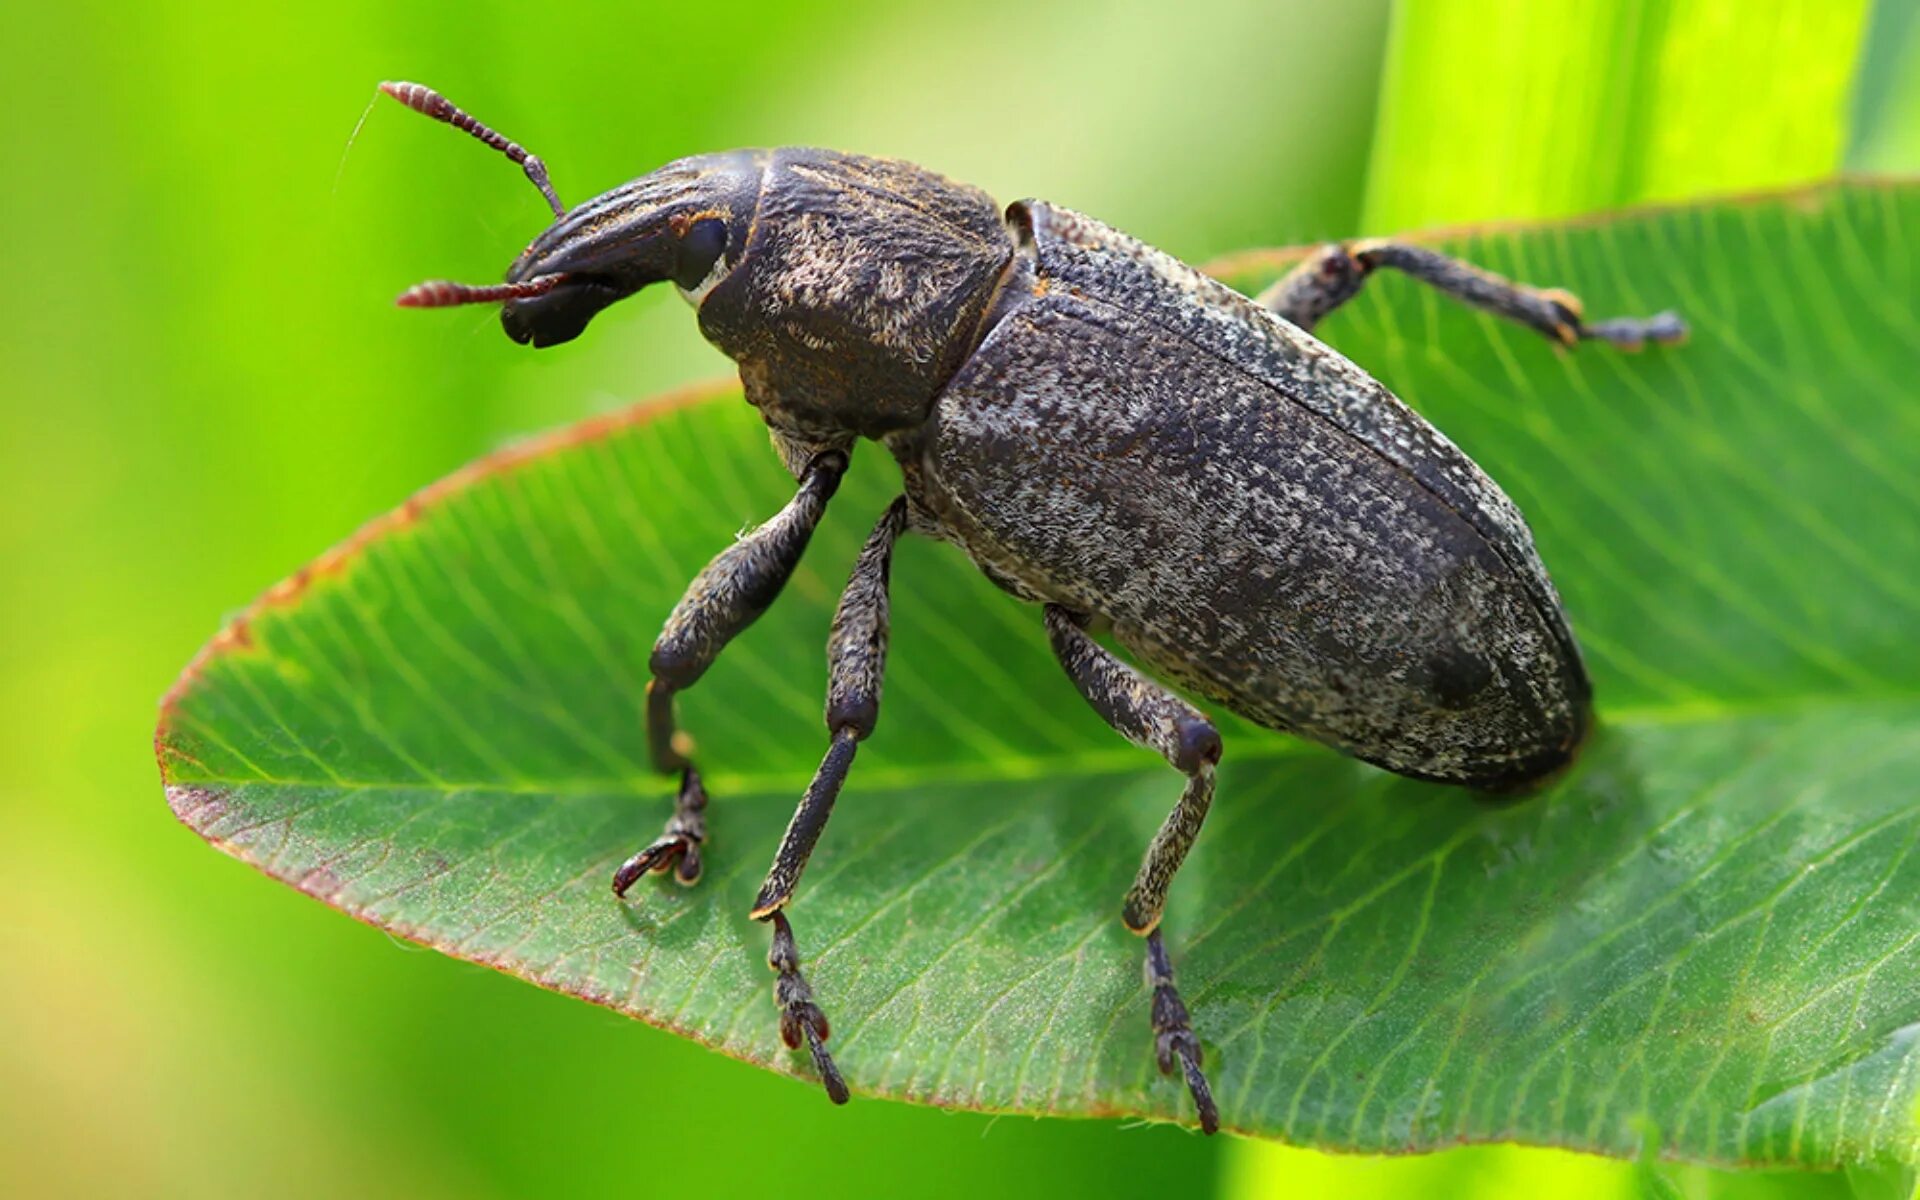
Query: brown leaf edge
[199, 806]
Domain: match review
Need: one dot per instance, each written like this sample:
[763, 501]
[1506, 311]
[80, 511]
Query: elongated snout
[678, 223]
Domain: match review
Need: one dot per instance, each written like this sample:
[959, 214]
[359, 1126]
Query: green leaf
[1886, 109]
[1511, 108]
[1707, 932]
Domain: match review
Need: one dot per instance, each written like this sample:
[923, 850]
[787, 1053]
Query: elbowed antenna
[440, 293]
[425, 100]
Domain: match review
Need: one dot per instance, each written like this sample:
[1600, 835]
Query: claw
[1173, 1035]
[802, 1021]
[679, 846]
[1182, 1043]
[823, 1062]
[1631, 334]
[664, 853]
[688, 873]
[800, 1018]
[1667, 328]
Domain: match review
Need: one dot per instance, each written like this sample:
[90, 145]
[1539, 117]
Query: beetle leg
[1149, 715]
[1173, 1036]
[800, 1017]
[856, 660]
[1147, 898]
[1334, 274]
[677, 848]
[734, 589]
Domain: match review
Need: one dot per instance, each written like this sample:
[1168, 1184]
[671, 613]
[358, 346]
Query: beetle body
[1104, 431]
[1100, 426]
[1258, 519]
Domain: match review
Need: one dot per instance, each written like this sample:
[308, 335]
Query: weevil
[1107, 433]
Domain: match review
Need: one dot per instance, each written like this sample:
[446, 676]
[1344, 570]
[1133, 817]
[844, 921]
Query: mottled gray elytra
[1107, 433]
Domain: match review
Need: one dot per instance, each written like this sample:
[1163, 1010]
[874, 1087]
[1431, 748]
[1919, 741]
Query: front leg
[856, 660]
[1149, 715]
[736, 587]
[1333, 275]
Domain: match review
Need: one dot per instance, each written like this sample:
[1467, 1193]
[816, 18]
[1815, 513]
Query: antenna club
[427, 102]
[420, 98]
[435, 293]
[442, 293]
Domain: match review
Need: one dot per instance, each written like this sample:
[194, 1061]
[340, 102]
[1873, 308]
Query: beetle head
[686, 223]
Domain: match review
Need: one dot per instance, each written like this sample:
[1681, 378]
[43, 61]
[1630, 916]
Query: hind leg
[1149, 715]
[1334, 275]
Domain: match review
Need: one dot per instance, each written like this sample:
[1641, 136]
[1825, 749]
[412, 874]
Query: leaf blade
[1603, 80]
[1373, 964]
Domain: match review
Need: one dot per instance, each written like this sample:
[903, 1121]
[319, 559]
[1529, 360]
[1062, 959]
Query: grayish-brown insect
[1106, 432]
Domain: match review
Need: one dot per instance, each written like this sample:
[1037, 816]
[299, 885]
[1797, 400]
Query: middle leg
[1149, 715]
[856, 661]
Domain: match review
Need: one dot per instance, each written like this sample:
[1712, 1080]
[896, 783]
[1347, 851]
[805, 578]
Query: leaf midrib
[1116, 762]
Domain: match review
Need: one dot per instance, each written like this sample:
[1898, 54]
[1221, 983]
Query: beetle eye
[699, 250]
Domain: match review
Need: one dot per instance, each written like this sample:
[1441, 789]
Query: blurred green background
[206, 384]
